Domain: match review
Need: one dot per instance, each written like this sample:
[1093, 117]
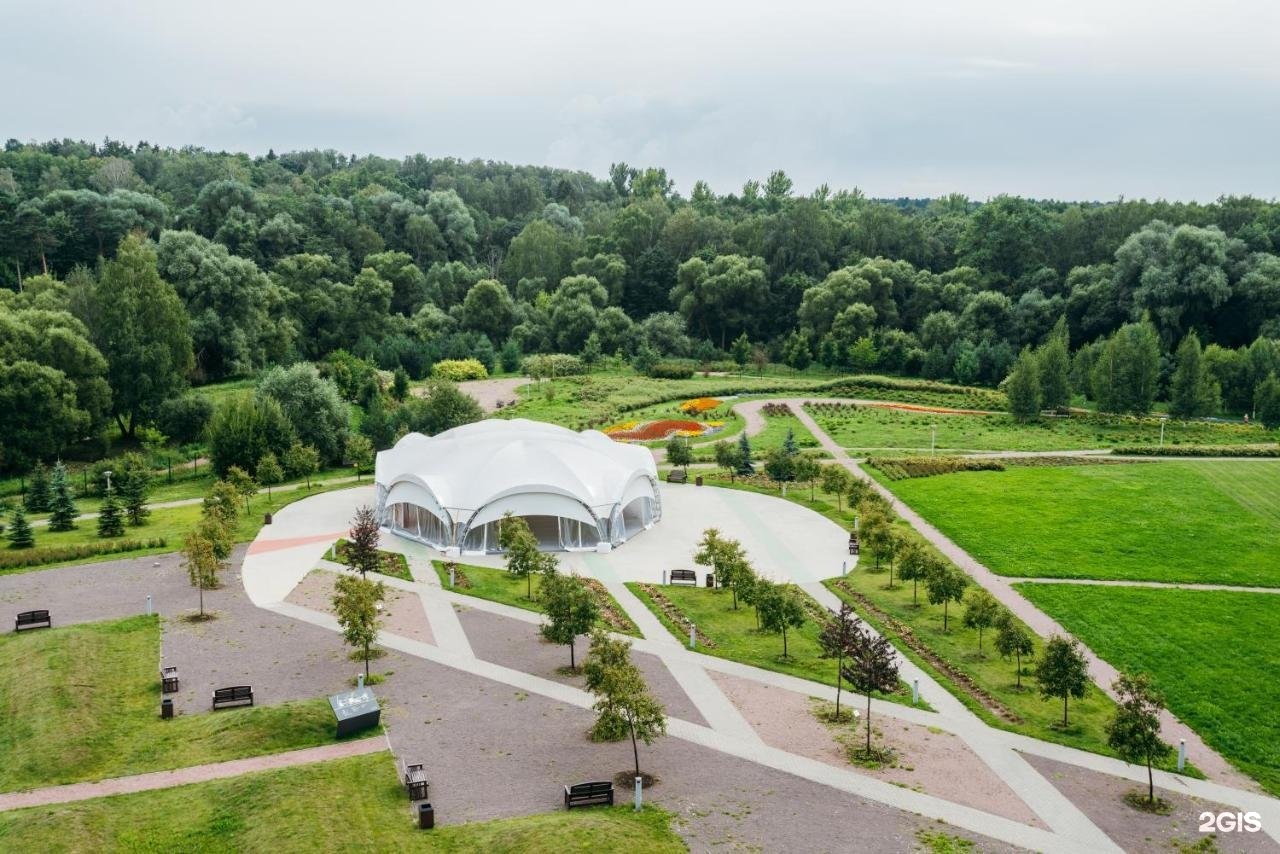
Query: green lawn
[393, 564]
[869, 427]
[736, 637]
[1190, 521]
[83, 703]
[498, 585]
[1213, 653]
[354, 804]
[171, 524]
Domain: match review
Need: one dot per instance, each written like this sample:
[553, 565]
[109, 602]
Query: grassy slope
[873, 427]
[82, 703]
[1193, 521]
[346, 804]
[1211, 652]
[737, 638]
[498, 585]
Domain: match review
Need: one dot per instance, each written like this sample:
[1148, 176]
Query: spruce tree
[37, 498]
[745, 468]
[61, 508]
[20, 535]
[110, 523]
[135, 482]
[1266, 402]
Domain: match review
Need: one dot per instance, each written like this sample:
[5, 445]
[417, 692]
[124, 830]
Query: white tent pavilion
[577, 491]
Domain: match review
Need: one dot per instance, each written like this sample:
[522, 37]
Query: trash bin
[698, 481]
[266, 518]
[426, 817]
[166, 708]
[711, 579]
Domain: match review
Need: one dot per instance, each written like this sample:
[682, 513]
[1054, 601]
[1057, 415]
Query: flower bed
[675, 615]
[699, 405]
[661, 429]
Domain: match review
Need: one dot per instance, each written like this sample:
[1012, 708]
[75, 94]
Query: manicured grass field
[83, 703]
[498, 585]
[737, 638]
[353, 804]
[869, 427]
[1210, 521]
[1213, 653]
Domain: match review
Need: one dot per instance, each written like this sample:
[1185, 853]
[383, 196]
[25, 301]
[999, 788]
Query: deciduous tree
[1062, 671]
[355, 604]
[983, 612]
[1134, 730]
[570, 608]
[871, 664]
[835, 638]
[623, 701]
[1013, 640]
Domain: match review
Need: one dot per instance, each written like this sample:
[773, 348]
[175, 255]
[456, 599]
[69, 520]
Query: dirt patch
[927, 760]
[492, 395]
[402, 612]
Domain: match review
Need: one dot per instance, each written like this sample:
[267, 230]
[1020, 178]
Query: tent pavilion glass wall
[577, 491]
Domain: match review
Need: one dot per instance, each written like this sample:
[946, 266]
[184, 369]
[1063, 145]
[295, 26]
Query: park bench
[415, 782]
[677, 476]
[32, 620]
[684, 576]
[239, 695]
[168, 679]
[854, 547]
[586, 794]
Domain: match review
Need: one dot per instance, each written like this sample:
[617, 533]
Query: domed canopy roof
[472, 467]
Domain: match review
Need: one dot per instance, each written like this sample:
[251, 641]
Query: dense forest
[129, 272]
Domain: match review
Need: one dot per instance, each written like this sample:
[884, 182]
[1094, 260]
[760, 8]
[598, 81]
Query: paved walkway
[1160, 585]
[283, 555]
[1103, 673]
[192, 774]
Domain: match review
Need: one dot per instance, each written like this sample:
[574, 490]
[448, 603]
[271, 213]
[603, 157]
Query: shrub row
[552, 365]
[1200, 451]
[459, 370]
[670, 371]
[901, 468]
[58, 554]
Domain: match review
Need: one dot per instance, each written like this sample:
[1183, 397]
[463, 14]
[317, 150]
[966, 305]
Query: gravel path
[1100, 797]
[492, 751]
[518, 645]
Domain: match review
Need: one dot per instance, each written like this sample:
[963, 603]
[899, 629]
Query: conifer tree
[61, 508]
[20, 535]
[110, 523]
[38, 495]
[745, 467]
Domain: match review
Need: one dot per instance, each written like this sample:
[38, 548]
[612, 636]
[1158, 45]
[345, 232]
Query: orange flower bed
[699, 404]
[651, 430]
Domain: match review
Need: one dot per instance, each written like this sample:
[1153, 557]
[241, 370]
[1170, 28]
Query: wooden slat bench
[587, 794]
[238, 695]
[854, 547]
[168, 679]
[677, 476]
[32, 620]
[684, 576]
[415, 781]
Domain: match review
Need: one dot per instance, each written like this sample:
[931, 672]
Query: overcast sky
[1075, 100]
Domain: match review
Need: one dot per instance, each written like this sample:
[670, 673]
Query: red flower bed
[651, 430]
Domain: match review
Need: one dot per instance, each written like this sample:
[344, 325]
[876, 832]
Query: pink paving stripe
[260, 545]
[192, 774]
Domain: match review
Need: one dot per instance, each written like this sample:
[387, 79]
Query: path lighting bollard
[148, 604]
[1182, 753]
[359, 680]
[692, 635]
[639, 786]
[915, 692]
[453, 575]
[844, 567]
[664, 578]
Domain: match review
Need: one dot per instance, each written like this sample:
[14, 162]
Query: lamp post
[933, 438]
[107, 473]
